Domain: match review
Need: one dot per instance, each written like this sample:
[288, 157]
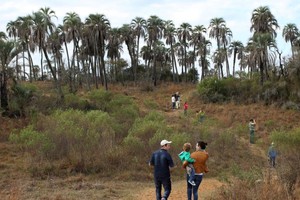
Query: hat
[272, 143]
[164, 142]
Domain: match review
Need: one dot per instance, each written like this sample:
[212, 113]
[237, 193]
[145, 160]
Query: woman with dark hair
[200, 156]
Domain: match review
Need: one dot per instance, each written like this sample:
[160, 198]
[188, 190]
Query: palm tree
[264, 26]
[184, 36]
[259, 45]
[203, 50]
[11, 29]
[114, 49]
[24, 25]
[263, 21]
[226, 36]
[235, 48]
[170, 36]
[198, 36]
[7, 53]
[155, 27]
[138, 25]
[72, 26]
[215, 26]
[127, 36]
[290, 33]
[100, 27]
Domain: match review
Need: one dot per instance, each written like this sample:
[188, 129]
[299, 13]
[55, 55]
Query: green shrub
[75, 102]
[133, 145]
[20, 98]
[125, 111]
[249, 175]
[149, 103]
[100, 98]
[81, 138]
[37, 143]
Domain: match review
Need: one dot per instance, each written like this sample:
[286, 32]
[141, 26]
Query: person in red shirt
[185, 107]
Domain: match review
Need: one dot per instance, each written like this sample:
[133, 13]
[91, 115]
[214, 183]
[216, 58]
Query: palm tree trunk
[3, 91]
[57, 85]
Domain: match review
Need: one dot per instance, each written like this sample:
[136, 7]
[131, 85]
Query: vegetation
[71, 126]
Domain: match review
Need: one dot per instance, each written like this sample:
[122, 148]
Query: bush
[20, 98]
[37, 143]
[81, 138]
[100, 98]
[75, 102]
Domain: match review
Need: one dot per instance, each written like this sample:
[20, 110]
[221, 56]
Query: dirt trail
[207, 188]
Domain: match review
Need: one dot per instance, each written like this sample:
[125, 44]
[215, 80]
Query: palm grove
[88, 53]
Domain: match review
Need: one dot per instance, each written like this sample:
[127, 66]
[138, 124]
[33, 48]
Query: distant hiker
[177, 99]
[162, 162]
[272, 153]
[185, 108]
[187, 161]
[200, 116]
[200, 156]
[252, 125]
[173, 102]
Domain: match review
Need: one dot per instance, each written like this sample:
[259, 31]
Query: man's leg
[167, 187]
[158, 188]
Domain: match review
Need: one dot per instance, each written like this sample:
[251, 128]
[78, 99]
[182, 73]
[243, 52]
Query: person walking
[200, 156]
[185, 108]
[162, 162]
[173, 100]
[272, 153]
[252, 125]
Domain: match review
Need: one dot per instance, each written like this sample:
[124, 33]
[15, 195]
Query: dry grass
[16, 183]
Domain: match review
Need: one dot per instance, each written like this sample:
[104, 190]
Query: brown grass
[16, 183]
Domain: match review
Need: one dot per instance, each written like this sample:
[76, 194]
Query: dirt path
[207, 188]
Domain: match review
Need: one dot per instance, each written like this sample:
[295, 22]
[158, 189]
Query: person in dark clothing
[162, 162]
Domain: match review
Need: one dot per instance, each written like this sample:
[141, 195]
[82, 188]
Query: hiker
[200, 156]
[162, 162]
[272, 153]
[177, 99]
[185, 108]
[173, 102]
[200, 115]
[185, 156]
[252, 125]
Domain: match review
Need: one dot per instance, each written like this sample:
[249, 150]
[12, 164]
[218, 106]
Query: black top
[162, 161]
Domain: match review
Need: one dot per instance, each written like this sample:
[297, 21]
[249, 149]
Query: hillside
[17, 183]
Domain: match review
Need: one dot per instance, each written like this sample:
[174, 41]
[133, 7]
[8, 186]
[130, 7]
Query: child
[185, 156]
[185, 107]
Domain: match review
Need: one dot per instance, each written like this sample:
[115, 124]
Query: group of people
[194, 163]
[175, 101]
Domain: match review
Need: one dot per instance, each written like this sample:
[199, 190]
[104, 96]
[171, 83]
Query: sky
[236, 13]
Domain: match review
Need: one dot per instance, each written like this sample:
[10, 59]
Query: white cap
[164, 142]
[272, 143]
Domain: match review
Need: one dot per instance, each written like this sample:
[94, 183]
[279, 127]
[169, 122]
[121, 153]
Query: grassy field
[230, 153]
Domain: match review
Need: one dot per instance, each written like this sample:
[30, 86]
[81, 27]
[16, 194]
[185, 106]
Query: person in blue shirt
[272, 153]
[162, 161]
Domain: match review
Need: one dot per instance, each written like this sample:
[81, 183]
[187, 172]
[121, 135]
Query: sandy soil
[207, 187]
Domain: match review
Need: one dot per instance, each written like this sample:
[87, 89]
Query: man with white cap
[162, 162]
